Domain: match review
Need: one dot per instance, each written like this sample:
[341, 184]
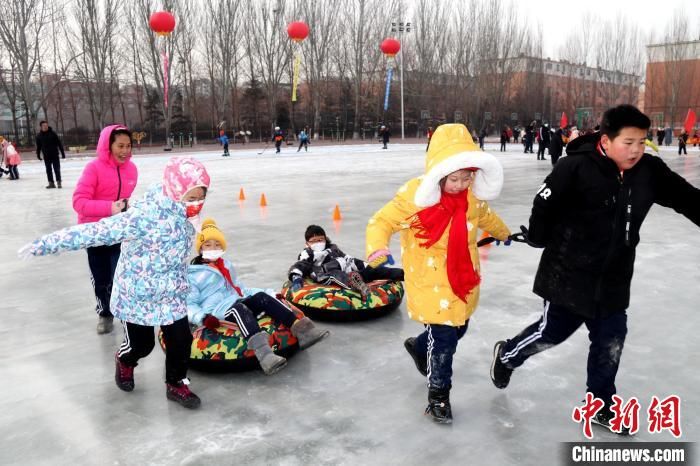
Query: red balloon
[162, 22]
[390, 46]
[298, 31]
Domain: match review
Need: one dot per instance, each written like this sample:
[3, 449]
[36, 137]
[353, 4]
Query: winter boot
[269, 361]
[358, 284]
[500, 373]
[51, 185]
[124, 375]
[105, 324]
[180, 393]
[420, 360]
[439, 405]
[603, 418]
[58, 185]
[307, 333]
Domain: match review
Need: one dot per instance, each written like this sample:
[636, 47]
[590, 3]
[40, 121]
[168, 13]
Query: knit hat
[183, 174]
[210, 231]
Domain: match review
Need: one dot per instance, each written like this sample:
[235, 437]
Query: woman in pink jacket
[103, 190]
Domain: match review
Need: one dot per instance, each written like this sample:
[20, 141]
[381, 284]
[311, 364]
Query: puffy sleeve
[390, 219]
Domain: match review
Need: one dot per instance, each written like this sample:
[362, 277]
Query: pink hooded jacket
[103, 181]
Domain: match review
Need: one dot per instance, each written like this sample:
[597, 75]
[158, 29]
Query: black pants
[103, 262]
[554, 158]
[439, 344]
[278, 144]
[680, 148]
[540, 150]
[226, 148]
[503, 146]
[607, 336]
[14, 174]
[245, 313]
[305, 143]
[139, 341]
[53, 164]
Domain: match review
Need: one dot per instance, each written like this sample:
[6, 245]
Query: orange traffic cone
[241, 195]
[263, 201]
[336, 213]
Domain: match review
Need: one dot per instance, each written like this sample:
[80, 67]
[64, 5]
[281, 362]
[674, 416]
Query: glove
[523, 237]
[379, 258]
[63, 156]
[297, 283]
[211, 322]
[38, 157]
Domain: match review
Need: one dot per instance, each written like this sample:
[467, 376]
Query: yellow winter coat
[429, 296]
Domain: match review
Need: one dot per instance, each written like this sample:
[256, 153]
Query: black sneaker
[180, 393]
[420, 360]
[603, 418]
[439, 408]
[500, 373]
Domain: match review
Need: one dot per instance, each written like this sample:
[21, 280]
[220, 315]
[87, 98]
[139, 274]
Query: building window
[588, 72]
[549, 66]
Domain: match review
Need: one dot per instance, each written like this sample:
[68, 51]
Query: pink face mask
[193, 208]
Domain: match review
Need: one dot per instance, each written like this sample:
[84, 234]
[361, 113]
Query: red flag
[689, 121]
[564, 121]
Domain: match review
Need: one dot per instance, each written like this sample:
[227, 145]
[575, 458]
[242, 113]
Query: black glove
[38, 156]
[63, 156]
[522, 237]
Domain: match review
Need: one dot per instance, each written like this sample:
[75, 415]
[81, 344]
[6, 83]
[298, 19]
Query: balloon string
[389, 73]
[165, 75]
[297, 65]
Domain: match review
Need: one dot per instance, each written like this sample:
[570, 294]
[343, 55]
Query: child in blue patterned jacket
[215, 290]
[150, 285]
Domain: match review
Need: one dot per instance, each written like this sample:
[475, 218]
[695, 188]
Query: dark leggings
[139, 341]
[245, 313]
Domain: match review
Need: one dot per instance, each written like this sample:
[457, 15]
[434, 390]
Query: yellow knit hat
[210, 231]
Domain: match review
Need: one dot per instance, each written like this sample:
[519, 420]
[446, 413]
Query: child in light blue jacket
[150, 286]
[216, 290]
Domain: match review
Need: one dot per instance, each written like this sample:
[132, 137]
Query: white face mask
[318, 247]
[212, 254]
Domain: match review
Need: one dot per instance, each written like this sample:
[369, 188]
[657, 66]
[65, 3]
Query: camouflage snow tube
[335, 304]
[225, 350]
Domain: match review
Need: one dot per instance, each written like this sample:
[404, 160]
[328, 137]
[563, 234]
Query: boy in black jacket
[325, 263]
[587, 216]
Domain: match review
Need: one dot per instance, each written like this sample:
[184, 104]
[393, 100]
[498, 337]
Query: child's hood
[452, 148]
[103, 151]
[183, 174]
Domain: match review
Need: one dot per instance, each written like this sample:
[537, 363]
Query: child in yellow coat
[439, 215]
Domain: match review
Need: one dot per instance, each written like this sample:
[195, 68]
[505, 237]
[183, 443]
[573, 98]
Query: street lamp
[401, 27]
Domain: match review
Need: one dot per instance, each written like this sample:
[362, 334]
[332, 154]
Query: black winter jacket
[587, 217]
[49, 143]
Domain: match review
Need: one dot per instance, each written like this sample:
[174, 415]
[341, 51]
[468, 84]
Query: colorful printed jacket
[210, 293]
[150, 283]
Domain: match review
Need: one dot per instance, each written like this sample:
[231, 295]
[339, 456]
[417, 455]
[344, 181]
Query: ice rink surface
[356, 398]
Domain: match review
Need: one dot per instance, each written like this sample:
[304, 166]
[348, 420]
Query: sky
[559, 18]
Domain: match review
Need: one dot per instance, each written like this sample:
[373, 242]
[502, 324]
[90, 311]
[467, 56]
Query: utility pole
[400, 27]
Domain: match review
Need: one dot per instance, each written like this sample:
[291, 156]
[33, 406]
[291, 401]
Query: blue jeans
[607, 336]
[439, 343]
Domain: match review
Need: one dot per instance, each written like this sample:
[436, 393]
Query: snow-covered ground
[356, 398]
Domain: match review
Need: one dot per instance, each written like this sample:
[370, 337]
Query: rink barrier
[332, 303]
[224, 349]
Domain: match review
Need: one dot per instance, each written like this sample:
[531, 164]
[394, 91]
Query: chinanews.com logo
[661, 415]
[625, 418]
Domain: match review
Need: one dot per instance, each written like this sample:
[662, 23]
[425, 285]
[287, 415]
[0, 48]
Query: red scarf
[430, 224]
[218, 264]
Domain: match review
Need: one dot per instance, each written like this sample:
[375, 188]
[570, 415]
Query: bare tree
[267, 48]
[185, 46]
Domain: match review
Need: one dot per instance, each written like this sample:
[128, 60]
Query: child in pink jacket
[103, 190]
